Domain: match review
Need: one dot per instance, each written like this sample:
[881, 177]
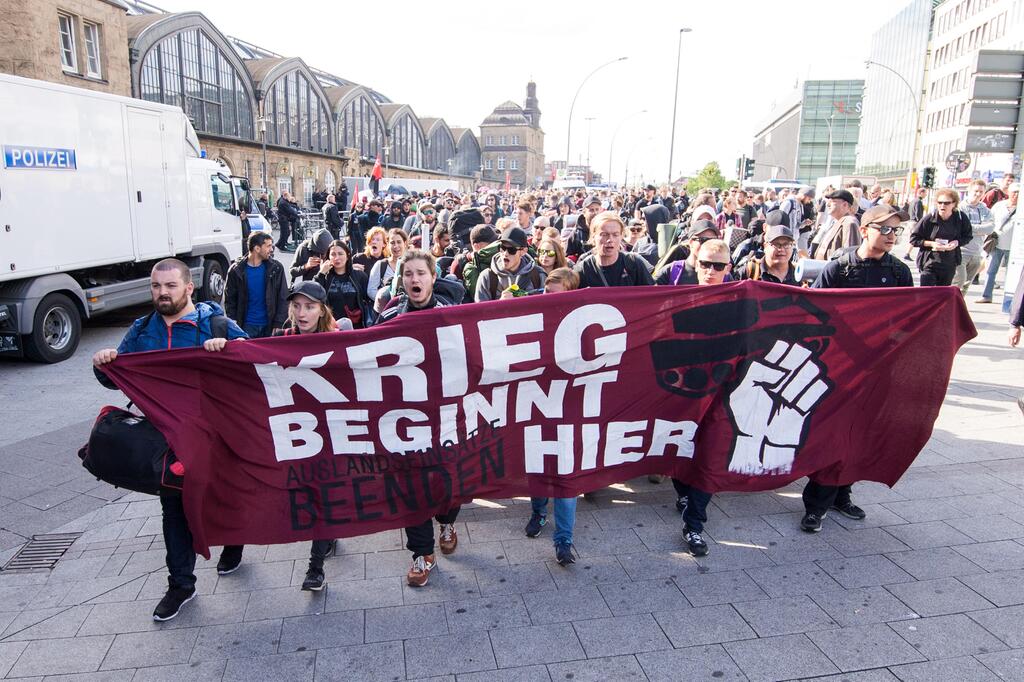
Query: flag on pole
[355, 196]
[378, 172]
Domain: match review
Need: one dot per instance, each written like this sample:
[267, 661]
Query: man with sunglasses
[637, 240]
[422, 224]
[685, 271]
[870, 266]
[511, 265]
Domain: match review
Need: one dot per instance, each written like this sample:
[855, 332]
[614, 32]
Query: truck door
[147, 195]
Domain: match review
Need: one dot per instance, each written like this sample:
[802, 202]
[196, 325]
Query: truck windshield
[222, 196]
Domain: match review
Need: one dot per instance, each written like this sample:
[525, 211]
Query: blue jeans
[995, 259]
[565, 516]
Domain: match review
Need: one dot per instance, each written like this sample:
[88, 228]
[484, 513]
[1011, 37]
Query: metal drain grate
[41, 552]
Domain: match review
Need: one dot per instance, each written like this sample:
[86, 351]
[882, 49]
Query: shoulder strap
[492, 284]
[219, 326]
[535, 278]
[753, 269]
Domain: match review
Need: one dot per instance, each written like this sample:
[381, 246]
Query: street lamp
[913, 93]
[568, 132]
[675, 102]
[589, 120]
[828, 154]
[611, 148]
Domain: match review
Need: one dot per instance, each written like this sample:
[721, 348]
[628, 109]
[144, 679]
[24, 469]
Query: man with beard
[394, 220]
[511, 265]
[176, 323]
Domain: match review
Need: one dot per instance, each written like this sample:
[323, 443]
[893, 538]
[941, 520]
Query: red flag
[743, 386]
[378, 172]
[355, 196]
[508, 181]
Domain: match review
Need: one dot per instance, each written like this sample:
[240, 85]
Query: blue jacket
[150, 333]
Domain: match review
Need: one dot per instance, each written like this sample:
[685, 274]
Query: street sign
[958, 161]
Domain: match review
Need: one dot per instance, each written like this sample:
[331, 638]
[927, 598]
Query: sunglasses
[636, 229]
[510, 250]
[430, 212]
[545, 253]
[708, 265]
[944, 203]
[889, 229]
[702, 239]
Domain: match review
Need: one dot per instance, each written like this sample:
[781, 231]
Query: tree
[709, 177]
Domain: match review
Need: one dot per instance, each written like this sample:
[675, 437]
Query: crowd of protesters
[392, 256]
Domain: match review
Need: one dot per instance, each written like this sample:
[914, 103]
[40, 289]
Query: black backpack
[127, 451]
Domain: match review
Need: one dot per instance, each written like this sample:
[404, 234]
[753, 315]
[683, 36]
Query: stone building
[513, 143]
[246, 103]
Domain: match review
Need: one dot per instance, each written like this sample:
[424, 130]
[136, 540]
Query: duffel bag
[127, 451]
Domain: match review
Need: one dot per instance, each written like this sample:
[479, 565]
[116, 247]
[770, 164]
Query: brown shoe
[449, 540]
[420, 571]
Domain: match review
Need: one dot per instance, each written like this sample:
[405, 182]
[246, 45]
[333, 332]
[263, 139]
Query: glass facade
[886, 146]
[467, 157]
[188, 70]
[407, 143]
[440, 150]
[297, 117]
[829, 127]
[361, 128]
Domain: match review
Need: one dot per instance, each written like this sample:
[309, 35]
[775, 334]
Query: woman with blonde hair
[376, 249]
[385, 269]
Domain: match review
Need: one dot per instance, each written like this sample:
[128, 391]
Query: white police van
[94, 189]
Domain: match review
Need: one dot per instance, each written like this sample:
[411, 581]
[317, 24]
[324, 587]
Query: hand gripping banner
[744, 386]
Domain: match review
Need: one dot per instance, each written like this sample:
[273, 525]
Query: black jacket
[930, 227]
[236, 292]
[286, 210]
[333, 217]
[317, 245]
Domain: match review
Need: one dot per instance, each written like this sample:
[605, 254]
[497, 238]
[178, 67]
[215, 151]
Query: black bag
[127, 451]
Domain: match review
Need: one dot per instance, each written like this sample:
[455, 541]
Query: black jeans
[286, 231]
[181, 558]
[695, 515]
[319, 550]
[257, 332]
[420, 539]
[937, 275]
[357, 239]
[819, 498]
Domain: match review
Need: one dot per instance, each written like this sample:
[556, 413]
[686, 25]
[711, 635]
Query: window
[92, 50]
[501, 140]
[501, 163]
[308, 187]
[488, 165]
[514, 164]
[490, 140]
[515, 139]
[68, 58]
[221, 194]
[284, 184]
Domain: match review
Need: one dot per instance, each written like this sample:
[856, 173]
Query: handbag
[127, 451]
[992, 238]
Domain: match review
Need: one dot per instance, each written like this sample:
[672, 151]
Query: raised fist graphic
[770, 407]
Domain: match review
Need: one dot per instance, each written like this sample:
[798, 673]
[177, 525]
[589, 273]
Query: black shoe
[314, 581]
[230, 558]
[850, 511]
[811, 522]
[535, 524]
[172, 602]
[563, 554]
[681, 503]
[695, 541]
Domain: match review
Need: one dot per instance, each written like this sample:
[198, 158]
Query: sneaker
[314, 581]
[172, 602]
[449, 539]
[563, 554]
[420, 571]
[850, 511]
[535, 524]
[984, 300]
[590, 497]
[681, 504]
[229, 560]
[811, 522]
[695, 541]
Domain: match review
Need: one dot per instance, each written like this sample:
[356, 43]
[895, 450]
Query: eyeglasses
[545, 253]
[889, 229]
[782, 246]
[637, 228]
[510, 250]
[708, 265]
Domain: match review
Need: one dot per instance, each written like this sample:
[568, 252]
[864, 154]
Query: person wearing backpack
[345, 286]
[871, 265]
[776, 265]
[511, 266]
[176, 323]
[607, 265]
[938, 237]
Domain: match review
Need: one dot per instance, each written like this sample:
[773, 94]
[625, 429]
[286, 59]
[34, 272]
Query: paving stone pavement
[929, 587]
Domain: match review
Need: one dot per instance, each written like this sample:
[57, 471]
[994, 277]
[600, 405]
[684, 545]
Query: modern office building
[894, 95]
[811, 133]
[961, 29]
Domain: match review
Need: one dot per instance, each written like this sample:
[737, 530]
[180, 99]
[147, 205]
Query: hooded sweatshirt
[317, 245]
[528, 276]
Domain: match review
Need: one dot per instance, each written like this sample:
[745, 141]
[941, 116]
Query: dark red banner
[744, 386]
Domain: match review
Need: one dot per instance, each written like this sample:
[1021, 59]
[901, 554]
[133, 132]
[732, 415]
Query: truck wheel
[56, 330]
[213, 281]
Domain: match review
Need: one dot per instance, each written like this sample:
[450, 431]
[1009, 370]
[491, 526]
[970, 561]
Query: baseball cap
[514, 236]
[699, 226]
[841, 194]
[651, 187]
[776, 231]
[877, 215]
[807, 192]
[703, 210]
[483, 234]
[590, 200]
[310, 290]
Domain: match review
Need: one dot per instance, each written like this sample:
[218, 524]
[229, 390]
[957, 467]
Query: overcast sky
[458, 60]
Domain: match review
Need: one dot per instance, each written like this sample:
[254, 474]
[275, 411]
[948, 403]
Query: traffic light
[748, 169]
[928, 177]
